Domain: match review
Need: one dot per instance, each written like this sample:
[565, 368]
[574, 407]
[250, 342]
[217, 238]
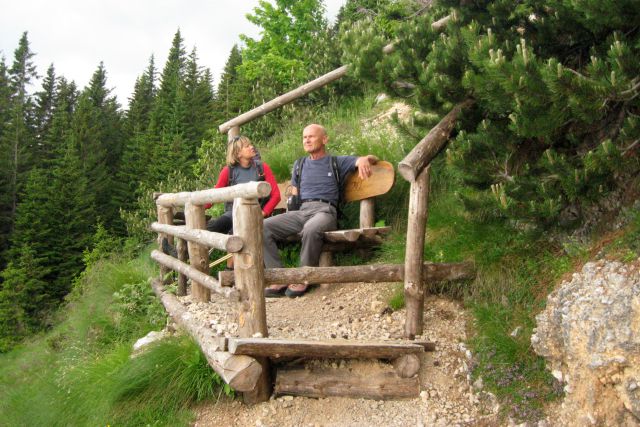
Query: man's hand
[364, 165]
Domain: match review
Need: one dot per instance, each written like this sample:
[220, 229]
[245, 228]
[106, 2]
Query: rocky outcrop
[590, 335]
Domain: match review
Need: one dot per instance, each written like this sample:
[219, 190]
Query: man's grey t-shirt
[317, 180]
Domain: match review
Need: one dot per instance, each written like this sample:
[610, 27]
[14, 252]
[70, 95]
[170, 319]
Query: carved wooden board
[380, 181]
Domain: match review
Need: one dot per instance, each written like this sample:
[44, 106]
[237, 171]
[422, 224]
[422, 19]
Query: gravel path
[358, 311]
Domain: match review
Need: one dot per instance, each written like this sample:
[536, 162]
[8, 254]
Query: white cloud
[76, 35]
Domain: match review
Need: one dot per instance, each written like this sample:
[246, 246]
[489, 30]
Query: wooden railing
[244, 362]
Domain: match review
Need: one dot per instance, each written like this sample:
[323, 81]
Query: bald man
[319, 191]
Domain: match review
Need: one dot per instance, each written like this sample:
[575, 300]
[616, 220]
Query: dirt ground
[359, 312]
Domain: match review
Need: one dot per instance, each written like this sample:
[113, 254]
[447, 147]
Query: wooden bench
[355, 189]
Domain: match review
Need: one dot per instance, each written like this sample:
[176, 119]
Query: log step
[327, 349]
[324, 383]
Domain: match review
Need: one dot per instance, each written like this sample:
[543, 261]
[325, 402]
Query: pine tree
[555, 85]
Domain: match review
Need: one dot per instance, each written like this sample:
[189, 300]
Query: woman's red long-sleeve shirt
[274, 197]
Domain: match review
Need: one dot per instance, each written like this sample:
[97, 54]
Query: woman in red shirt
[242, 166]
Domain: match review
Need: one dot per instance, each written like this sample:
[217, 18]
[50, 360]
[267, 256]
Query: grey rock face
[590, 335]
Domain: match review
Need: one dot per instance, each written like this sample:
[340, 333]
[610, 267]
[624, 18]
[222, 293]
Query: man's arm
[364, 165]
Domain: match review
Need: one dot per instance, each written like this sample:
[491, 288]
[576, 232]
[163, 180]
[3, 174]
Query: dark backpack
[294, 202]
[233, 177]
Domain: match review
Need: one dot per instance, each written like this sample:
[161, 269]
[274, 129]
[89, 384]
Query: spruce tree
[45, 100]
[137, 149]
[6, 198]
[231, 96]
[199, 97]
[19, 131]
[167, 126]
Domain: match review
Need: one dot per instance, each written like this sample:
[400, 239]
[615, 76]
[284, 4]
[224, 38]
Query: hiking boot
[168, 248]
[275, 291]
[296, 290]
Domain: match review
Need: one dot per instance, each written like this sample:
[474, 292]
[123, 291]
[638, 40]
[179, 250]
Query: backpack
[233, 177]
[294, 202]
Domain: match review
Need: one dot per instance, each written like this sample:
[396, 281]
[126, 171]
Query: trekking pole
[218, 261]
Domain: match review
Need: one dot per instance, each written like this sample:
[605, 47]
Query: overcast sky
[75, 35]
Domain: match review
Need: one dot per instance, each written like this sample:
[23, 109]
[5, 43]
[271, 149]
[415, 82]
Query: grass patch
[81, 372]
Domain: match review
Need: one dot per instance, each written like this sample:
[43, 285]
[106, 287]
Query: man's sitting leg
[278, 228]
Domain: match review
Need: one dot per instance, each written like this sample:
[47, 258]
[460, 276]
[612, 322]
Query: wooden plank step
[327, 349]
[324, 383]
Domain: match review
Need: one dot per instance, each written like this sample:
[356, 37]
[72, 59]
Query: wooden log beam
[224, 242]
[198, 254]
[367, 213]
[353, 238]
[327, 349]
[342, 235]
[284, 99]
[254, 189]
[425, 151]
[183, 256]
[196, 275]
[364, 242]
[326, 383]
[165, 216]
[413, 264]
[376, 273]
[240, 372]
[249, 275]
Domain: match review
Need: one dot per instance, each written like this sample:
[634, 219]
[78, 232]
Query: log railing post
[367, 213]
[233, 132]
[249, 278]
[416, 229]
[165, 216]
[183, 255]
[198, 254]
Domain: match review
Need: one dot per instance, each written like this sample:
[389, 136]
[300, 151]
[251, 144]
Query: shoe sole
[295, 294]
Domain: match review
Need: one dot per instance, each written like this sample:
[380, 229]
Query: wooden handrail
[224, 242]
[189, 271]
[427, 149]
[249, 190]
[284, 99]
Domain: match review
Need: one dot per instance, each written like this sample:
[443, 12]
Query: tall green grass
[82, 371]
